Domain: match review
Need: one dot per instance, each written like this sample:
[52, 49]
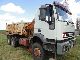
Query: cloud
[6, 17]
[9, 19]
[11, 7]
[2, 26]
[74, 8]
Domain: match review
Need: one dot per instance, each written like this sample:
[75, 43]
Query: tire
[14, 42]
[34, 46]
[9, 40]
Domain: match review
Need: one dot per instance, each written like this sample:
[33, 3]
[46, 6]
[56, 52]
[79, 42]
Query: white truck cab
[52, 25]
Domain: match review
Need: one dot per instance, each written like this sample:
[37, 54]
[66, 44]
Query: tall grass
[8, 52]
[74, 53]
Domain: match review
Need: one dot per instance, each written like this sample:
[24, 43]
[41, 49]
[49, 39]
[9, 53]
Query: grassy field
[74, 53]
[8, 52]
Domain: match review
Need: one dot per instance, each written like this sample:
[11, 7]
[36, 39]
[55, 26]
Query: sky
[12, 11]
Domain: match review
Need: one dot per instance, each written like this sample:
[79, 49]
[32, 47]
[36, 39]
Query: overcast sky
[17, 10]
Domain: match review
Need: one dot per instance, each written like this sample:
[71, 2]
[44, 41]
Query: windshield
[62, 14]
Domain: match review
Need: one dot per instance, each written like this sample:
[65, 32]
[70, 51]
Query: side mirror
[51, 10]
[42, 15]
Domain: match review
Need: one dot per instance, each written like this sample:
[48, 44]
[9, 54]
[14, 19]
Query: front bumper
[65, 46]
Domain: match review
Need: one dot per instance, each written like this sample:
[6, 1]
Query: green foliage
[74, 53]
[8, 52]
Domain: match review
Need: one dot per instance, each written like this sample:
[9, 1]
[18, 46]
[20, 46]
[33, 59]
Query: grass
[8, 52]
[74, 53]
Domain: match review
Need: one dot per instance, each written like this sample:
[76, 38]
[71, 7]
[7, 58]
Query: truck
[49, 32]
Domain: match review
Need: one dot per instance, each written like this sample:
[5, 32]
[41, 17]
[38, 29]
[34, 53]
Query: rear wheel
[9, 40]
[37, 51]
[14, 42]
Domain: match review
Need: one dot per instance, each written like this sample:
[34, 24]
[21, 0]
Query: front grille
[49, 47]
[50, 40]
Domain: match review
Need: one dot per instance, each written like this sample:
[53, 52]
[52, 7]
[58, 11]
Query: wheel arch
[39, 38]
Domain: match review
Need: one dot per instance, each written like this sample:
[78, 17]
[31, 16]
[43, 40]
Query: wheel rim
[12, 43]
[37, 52]
[8, 41]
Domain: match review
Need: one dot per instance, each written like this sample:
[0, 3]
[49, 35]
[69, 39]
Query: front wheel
[37, 51]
